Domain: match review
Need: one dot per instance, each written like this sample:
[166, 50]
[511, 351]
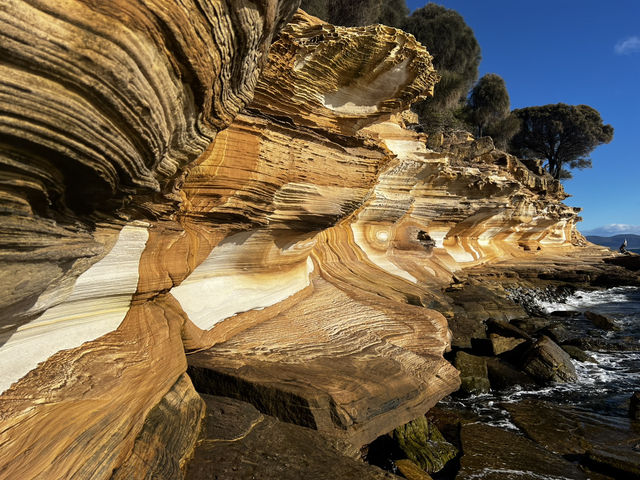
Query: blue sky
[576, 52]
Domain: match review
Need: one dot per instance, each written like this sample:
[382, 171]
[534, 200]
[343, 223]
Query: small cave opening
[425, 239]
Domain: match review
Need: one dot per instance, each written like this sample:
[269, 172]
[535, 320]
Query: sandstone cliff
[207, 184]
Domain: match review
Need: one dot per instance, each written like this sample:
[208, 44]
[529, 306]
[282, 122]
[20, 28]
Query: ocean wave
[582, 299]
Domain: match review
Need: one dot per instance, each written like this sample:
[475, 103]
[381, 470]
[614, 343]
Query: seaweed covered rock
[474, 376]
[423, 444]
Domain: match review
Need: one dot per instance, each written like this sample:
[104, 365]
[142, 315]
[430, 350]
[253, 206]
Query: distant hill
[614, 242]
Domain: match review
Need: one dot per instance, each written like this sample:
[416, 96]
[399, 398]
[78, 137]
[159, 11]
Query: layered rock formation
[291, 248]
[104, 106]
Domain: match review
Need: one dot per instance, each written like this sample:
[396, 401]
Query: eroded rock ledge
[174, 198]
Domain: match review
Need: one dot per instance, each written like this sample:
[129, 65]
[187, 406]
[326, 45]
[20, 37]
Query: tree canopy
[489, 101]
[455, 50]
[353, 13]
[488, 111]
[562, 134]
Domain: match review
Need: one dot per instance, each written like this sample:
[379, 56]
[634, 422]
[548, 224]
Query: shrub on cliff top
[455, 50]
[562, 134]
[351, 13]
[456, 56]
[489, 101]
[487, 111]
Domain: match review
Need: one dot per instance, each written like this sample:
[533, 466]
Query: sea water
[603, 387]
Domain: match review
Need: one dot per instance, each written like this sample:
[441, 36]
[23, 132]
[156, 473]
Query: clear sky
[575, 52]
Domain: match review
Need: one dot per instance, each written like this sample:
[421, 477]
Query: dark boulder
[474, 377]
[506, 329]
[503, 375]
[531, 325]
[547, 362]
[424, 445]
[634, 406]
[557, 332]
[602, 322]
[578, 354]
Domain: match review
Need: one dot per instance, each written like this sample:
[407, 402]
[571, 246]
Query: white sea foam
[582, 299]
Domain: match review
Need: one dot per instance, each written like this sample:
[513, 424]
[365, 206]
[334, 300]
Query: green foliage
[503, 130]
[393, 12]
[434, 119]
[488, 102]
[563, 134]
[455, 50]
[317, 8]
[456, 56]
[352, 13]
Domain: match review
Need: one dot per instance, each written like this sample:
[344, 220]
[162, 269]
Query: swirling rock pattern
[103, 107]
[292, 249]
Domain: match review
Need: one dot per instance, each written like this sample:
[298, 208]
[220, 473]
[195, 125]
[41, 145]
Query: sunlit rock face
[288, 249]
[104, 107]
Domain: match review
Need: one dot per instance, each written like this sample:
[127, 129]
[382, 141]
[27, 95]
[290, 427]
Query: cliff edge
[228, 195]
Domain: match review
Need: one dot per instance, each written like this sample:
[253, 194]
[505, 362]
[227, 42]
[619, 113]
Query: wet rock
[616, 463]
[473, 373]
[500, 344]
[530, 298]
[630, 262]
[503, 375]
[601, 321]
[565, 313]
[423, 443]
[506, 329]
[531, 324]
[578, 354]
[604, 443]
[634, 406]
[238, 442]
[547, 362]
[411, 471]
[472, 306]
[557, 332]
[491, 453]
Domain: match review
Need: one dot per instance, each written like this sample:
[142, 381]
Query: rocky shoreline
[520, 350]
[226, 252]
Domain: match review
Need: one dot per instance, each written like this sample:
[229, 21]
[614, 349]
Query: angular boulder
[500, 344]
[503, 375]
[578, 354]
[506, 329]
[473, 373]
[547, 362]
[601, 321]
[423, 443]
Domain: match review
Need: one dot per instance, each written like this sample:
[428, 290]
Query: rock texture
[205, 184]
[238, 442]
[610, 444]
[512, 456]
[105, 105]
